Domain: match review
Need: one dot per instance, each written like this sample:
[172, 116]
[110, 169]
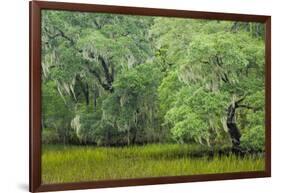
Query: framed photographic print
[123, 96]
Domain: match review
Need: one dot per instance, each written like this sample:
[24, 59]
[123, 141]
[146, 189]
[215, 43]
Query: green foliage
[196, 115]
[225, 65]
[254, 139]
[50, 136]
[220, 57]
[57, 114]
[111, 80]
[132, 107]
[168, 89]
[162, 88]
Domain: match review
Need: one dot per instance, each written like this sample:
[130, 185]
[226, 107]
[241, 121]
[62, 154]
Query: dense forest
[118, 80]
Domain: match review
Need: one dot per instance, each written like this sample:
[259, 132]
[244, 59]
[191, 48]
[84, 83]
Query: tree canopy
[112, 79]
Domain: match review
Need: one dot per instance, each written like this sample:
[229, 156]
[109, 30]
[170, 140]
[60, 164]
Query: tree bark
[85, 88]
[233, 129]
[128, 137]
[134, 135]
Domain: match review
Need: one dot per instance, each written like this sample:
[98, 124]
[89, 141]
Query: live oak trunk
[232, 127]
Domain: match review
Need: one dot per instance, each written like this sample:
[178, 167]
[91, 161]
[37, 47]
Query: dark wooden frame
[35, 94]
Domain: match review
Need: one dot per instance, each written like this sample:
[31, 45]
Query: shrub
[254, 139]
[50, 136]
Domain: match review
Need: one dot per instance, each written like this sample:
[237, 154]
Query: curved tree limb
[109, 76]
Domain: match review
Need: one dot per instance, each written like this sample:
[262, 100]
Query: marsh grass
[86, 163]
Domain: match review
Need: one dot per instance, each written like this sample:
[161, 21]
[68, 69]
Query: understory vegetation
[134, 96]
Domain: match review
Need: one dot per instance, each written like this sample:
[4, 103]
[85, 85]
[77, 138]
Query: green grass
[79, 163]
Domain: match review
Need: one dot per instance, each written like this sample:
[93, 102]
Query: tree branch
[63, 35]
[104, 85]
[105, 66]
[239, 101]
